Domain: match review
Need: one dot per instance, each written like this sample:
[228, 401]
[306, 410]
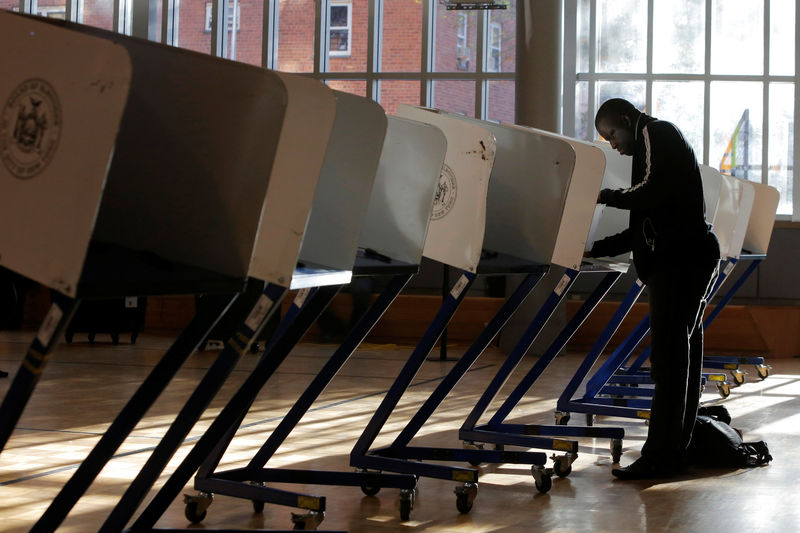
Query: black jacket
[667, 221]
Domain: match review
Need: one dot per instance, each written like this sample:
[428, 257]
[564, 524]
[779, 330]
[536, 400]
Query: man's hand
[602, 197]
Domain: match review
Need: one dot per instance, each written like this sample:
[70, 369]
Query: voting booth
[390, 242]
[110, 149]
[327, 260]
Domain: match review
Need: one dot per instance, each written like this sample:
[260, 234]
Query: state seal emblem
[446, 192]
[30, 128]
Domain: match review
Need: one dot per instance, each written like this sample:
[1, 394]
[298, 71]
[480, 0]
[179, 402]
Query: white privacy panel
[193, 156]
[402, 198]
[609, 220]
[344, 188]
[298, 164]
[762, 219]
[455, 235]
[574, 210]
[62, 96]
[733, 213]
[712, 189]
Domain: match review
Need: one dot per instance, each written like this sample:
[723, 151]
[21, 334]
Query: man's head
[616, 122]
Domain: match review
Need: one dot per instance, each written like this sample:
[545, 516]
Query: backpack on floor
[716, 444]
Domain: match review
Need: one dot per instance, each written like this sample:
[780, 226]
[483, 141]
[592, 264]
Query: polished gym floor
[84, 386]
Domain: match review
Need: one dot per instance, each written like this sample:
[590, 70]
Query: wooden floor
[85, 385]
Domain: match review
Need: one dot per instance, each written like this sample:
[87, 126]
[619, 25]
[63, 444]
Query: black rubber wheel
[405, 510]
[191, 514]
[370, 491]
[563, 420]
[258, 507]
[299, 525]
[545, 486]
[475, 462]
[463, 504]
[560, 470]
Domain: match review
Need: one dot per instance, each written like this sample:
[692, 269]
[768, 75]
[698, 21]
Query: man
[677, 255]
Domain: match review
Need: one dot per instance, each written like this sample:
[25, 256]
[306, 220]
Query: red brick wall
[98, 13]
[401, 47]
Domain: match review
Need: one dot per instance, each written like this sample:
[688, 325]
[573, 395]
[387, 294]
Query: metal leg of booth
[248, 482]
[33, 364]
[566, 402]
[260, 312]
[399, 449]
[361, 457]
[130, 415]
[234, 409]
[531, 435]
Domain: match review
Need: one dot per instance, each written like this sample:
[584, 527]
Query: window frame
[590, 78]
[349, 28]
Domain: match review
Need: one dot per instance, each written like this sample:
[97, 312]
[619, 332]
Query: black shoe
[644, 469]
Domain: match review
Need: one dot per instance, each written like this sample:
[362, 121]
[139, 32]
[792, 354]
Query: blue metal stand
[33, 364]
[235, 408]
[532, 435]
[260, 312]
[399, 456]
[248, 482]
[566, 404]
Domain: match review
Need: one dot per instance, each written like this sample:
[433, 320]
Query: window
[494, 62]
[462, 49]
[727, 83]
[341, 22]
[210, 16]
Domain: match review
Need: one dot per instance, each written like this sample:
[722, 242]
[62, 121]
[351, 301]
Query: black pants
[678, 298]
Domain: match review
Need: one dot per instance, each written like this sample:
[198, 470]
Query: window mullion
[592, 60]
[428, 30]
[765, 89]
[480, 49]
[707, 88]
[374, 32]
[570, 77]
[648, 91]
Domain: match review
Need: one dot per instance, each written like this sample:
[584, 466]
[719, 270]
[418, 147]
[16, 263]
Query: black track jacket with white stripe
[667, 223]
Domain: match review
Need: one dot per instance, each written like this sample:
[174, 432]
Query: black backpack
[715, 444]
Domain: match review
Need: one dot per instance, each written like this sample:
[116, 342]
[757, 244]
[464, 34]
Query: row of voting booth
[158, 178]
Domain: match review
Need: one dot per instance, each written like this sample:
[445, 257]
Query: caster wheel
[405, 510]
[561, 418]
[560, 469]
[545, 485]
[475, 463]
[463, 504]
[616, 450]
[465, 496]
[738, 377]
[299, 525]
[192, 513]
[724, 389]
[763, 371]
[258, 507]
[370, 491]
[542, 478]
[589, 419]
[406, 503]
